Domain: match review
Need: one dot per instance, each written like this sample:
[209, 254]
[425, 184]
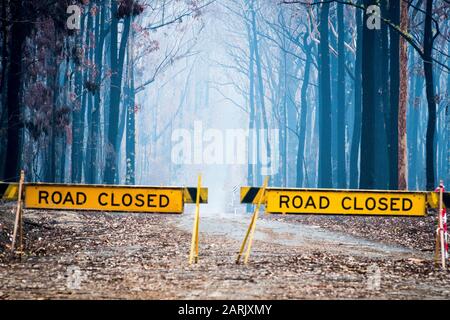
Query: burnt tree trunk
[14, 86]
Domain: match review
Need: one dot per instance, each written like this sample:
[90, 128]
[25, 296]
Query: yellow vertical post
[193, 256]
[18, 220]
[252, 226]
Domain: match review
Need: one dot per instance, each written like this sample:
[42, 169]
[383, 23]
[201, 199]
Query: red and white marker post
[442, 231]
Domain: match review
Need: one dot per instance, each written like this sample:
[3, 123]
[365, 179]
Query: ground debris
[72, 255]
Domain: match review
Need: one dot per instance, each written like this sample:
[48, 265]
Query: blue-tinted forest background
[358, 91]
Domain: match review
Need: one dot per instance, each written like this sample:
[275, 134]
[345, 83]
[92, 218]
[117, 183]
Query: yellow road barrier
[9, 191]
[344, 202]
[110, 197]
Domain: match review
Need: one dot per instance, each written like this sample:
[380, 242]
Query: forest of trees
[359, 90]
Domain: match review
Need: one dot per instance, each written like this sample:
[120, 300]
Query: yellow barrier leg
[252, 226]
[194, 234]
[193, 256]
[197, 238]
[18, 220]
[241, 250]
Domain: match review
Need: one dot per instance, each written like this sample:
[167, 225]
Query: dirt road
[142, 256]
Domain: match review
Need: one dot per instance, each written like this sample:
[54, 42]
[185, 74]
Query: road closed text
[104, 198]
[351, 202]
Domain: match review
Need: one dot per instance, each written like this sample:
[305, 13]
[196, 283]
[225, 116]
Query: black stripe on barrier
[193, 194]
[250, 195]
[446, 199]
[3, 187]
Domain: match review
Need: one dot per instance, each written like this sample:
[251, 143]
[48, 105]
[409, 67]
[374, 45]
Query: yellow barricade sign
[346, 202]
[9, 191]
[104, 198]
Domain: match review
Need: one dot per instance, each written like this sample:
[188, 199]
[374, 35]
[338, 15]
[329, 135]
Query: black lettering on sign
[112, 201]
[310, 202]
[150, 199]
[394, 203]
[81, 198]
[43, 195]
[163, 204]
[407, 204]
[300, 204]
[383, 204]
[139, 200]
[68, 198]
[127, 199]
[355, 201]
[100, 196]
[343, 203]
[370, 203]
[56, 197]
[284, 200]
[324, 200]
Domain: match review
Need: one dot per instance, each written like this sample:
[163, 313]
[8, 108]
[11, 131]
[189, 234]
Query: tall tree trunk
[394, 72]
[251, 125]
[130, 151]
[325, 170]
[93, 129]
[341, 163]
[447, 124]
[4, 66]
[414, 121]
[301, 132]
[260, 100]
[14, 87]
[77, 114]
[369, 98]
[110, 166]
[431, 103]
[117, 60]
[382, 103]
[52, 147]
[356, 136]
[403, 103]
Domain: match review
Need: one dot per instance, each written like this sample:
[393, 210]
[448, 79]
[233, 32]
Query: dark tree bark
[341, 163]
[117, 62]
[325, 170]
[414, 120]
[77, 113]
[130, 149]
[447, 124]
[94, 128]
[429, 89]
[4, 66]
[110, 166]
[381, 87]
[402, 103]
[356, 136]
[394, 72]
[14, 87]
[369, 86]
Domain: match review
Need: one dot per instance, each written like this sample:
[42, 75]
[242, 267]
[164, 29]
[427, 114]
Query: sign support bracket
[18, 228]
